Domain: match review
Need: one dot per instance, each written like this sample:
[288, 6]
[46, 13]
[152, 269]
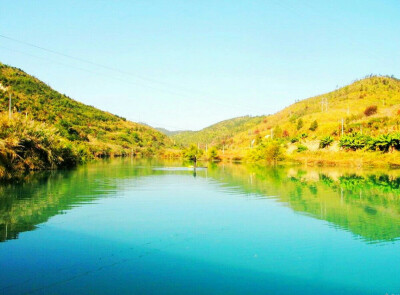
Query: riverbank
[328, 158]
[347, 159]
[320, 158]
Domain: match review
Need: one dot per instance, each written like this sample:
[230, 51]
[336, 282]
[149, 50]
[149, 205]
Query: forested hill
[168, 132]
[71, 125]
[218, 132]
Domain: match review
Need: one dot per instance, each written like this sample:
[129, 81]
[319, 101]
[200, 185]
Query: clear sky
[189, 64]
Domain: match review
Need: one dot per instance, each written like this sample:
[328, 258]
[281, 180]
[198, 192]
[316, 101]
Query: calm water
[123, 227]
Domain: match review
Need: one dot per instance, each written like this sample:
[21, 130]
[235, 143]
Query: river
[146, 227]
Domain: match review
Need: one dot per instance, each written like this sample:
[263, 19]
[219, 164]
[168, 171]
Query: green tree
[213, 154]
[314, 126]
[192, 153]
[299, 124]
[274, 152]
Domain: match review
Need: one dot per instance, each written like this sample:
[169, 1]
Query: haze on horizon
[182, 65]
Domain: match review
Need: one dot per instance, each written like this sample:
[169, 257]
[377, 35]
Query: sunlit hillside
[370, 106]
[48, 127]
[322, 115]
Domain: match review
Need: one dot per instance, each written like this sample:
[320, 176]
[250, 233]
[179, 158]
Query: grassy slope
[348, 103]
[95, 132]
[217, 133]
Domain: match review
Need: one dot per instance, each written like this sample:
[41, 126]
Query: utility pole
[223, 149]
[206, 148]
[324, 104]
[9, 108]
[342, 126]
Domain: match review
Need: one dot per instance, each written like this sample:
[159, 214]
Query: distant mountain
[218, 132]
[168, 132]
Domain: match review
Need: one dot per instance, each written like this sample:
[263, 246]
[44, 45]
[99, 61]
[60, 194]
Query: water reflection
[366, 203]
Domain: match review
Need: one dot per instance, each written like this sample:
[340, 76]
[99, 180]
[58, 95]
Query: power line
[171, 92]
[89, 62]
[234, 106]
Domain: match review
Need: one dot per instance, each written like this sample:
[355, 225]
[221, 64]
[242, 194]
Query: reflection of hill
[23, 206]
[367, 205]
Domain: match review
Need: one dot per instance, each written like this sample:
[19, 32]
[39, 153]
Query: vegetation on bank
[50, 130]
[29, 145]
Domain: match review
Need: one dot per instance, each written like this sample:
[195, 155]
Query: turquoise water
[125, 227]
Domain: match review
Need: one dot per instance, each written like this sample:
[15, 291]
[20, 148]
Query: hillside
[218, 132]
[348, 103]
[44, 119]
[369, 109]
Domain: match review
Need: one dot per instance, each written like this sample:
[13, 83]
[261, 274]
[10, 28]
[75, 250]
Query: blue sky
[189, 64]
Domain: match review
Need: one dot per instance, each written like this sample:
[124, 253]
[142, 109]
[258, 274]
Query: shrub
[355, 141]
[386, 142]
[213, 154]
[299, 124]
[371, 110]
[270, 151]
[28, 145]
[192, 153]
[285, 133]
[325, 142]
[314, 126]
[301, 148]
[274, 152]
